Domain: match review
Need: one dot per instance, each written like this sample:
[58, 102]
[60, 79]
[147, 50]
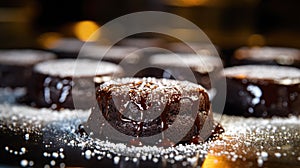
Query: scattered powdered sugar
[8, 95]
[246, 140]
[12, 113]
[24, 163]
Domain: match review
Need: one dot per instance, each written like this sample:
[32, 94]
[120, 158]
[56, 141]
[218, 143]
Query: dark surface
[46, 134]
[235, 149]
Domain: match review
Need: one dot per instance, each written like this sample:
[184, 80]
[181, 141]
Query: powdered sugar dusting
[24, 57]
[267, 53]
[201, 63]
[77, 68]
[115, 52]
[162, 84]
[266, 72]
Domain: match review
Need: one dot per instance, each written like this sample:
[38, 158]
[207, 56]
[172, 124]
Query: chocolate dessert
[142, 42]
[56, 83]
[178, 65]
[262, 91]
[16, 66]
[145, 107]
[200, 48]
[67, 47]
[114, 54]
[267, 56]
[147, 45]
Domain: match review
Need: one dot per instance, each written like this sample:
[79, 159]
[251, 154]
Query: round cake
[142, 42]
[16, 66]
[267, 56]
[114, 54]
[67, 47]
[262, 90]
[147, 45]
[57, 83]
[145, 107]
[178, 65]
[200, 48]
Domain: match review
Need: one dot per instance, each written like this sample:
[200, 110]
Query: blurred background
[229, 24]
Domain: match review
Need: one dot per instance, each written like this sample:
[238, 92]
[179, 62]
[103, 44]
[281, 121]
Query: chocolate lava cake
[56, 83]
[200, 48]
[16, 66]
[145, 107]
[171, 65]
[114, 54]
[67, 47]
[262, 91]
[267, 56]
[142, 42]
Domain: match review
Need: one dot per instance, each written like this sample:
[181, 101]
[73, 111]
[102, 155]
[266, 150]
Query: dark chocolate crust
[130, 105]
[57, 91]
[263, 91]
[267, 56]
[16, 66]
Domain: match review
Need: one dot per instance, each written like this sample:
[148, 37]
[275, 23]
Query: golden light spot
[47, 40]
[212, 161]
[186, 3]
[187, 33]
[240, 76]
[256, 40]
[86, 30]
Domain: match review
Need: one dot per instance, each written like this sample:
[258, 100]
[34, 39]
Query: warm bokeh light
[212, 161]
[47, 40]
[84, 30]
[186, 3]
[256, 40]
[190, 35]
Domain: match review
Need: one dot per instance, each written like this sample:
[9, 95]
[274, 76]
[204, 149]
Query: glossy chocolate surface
[16, 66]
[264, 92]
[56, 89]
[127, 103]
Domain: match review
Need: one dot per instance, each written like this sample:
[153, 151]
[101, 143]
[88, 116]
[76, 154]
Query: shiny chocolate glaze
[141, 107]
[67, 88]
[268, 95]
[16, 66]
